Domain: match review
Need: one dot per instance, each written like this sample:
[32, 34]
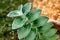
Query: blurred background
[5, 23]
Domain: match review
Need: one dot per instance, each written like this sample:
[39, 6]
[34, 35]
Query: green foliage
[26, 8]
[18, 22]
[40, 21]
[33, 15]
[46, 27]
[31, 36]
[32, 26]
[15, 13]
[23, 32]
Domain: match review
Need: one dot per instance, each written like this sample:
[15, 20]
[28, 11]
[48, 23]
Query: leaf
[40, 21]
[31, 36]
[54, 37]
[18, 22]
[34, 14]
[15, 13]
[26, 8]
[46, 27]
[24, 31]
[20, 7]
[50, 33]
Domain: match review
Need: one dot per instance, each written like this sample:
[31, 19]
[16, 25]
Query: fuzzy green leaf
[24, 31]
[40, 21]
[50, 33]
[20, 7]
[54, 37]
[31, 36]
[15, 13]
[34, 14]
[26, 8]
[46, 27]
[18, 22]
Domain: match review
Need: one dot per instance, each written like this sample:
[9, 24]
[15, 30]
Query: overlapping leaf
[27, 8]
[24, 31]
[40, 21]
[34, 14]
[15, 13]
[31, 36]
[50, 33]
[46, 27]
[20, 7]
[54, 37]
[18, 22]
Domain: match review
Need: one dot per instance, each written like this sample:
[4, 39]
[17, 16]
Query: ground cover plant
[30, 25]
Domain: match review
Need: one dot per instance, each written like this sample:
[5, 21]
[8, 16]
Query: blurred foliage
[5, 23]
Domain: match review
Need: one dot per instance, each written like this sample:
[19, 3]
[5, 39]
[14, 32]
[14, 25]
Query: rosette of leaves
[30, 25]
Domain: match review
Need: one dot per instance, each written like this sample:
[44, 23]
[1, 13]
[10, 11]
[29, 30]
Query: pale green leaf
[24, 31]
[18, 22]
[46, 27]
[15, 13]
[34, 14]
[31, 36]
[20, 7]
[50, 33]
[26, 8]
[40, 21]
[54, 37]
